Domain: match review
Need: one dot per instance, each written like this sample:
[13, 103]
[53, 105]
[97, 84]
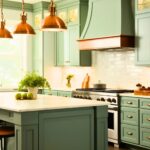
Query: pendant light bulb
[23, 27]
[53, 22]
[4, 33]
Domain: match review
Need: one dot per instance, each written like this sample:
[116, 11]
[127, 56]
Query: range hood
[109, 25]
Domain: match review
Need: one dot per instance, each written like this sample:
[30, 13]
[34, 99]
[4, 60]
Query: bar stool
[5, 132]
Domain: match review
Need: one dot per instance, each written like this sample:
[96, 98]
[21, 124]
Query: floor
[111, 147]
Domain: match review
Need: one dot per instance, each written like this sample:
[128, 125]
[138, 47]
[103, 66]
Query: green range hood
[109, 25]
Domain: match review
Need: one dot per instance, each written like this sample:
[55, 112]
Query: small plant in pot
[32, 81]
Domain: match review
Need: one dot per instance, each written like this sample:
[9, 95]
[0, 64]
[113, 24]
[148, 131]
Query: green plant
[69, 77]
[33, 80]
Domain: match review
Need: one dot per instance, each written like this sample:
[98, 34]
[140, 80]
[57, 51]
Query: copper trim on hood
[112, 42]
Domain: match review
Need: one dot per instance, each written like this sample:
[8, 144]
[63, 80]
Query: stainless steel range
[107, 95]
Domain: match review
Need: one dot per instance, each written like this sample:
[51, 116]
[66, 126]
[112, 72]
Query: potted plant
[32, 81]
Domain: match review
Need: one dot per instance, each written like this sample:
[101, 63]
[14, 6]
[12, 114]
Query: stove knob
[114, 100]
[80, 97]
[98, 99]
[108, 100]
[89, 97]
[102, 99]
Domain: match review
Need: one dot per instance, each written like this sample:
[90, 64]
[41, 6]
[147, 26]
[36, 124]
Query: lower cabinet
[135, 121]
[145, 137]
[58, 93]
[129, 133]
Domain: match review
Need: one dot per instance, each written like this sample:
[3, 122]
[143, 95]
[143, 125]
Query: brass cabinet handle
[129, 133]
[129, 103]
[129, 116]
[67, 61]
[148, 105]
[148, 119]
[148, 137]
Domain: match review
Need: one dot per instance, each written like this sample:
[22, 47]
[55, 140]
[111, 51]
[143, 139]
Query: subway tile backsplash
[115, 68]
[118, 70]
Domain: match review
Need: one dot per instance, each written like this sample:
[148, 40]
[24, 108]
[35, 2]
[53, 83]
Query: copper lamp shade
[4, 33]
[23, 27]
[52, 22]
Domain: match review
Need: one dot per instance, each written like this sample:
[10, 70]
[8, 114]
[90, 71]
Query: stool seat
[6, 132]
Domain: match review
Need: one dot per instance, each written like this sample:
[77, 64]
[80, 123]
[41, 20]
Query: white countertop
[43, 102]
[133, 95]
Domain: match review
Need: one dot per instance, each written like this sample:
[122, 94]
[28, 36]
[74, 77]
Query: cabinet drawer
[145, 103]
[145, 137]
[129, 115]
[129, 133]
[145, 118]
[53, 93]
[7, 116]
[129, 101]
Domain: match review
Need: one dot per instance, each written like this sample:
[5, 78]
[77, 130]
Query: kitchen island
[56, 123]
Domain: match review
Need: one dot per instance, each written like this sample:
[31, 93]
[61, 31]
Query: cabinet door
[129, 133]
[129, 115]
[145, 137]
[145, 118]
[60, 48]
[37, 52]
[143, 39]
[142, 6]
[62, 13]
[73, 15]
[73, 45]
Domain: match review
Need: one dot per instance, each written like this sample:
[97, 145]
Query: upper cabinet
[142, 21]
[43, 42]
[142, 6]
[73, 13]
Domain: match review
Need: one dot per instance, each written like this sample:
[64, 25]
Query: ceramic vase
[34, 91]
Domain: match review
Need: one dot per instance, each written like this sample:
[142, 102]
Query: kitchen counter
[133, 95]
[43, 123]
[43, 102]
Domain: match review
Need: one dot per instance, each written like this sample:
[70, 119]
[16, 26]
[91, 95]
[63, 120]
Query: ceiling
[30, 1]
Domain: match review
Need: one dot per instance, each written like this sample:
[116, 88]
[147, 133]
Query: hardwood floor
[111, 147]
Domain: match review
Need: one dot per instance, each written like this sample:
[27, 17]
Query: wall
[117, 69]
[57, 76]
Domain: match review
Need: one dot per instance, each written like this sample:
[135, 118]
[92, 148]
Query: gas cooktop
[106, 90]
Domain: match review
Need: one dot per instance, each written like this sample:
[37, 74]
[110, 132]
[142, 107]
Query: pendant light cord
[23, 11]
[2, 15]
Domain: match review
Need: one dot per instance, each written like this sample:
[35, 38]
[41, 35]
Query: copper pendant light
[4, 33]
[23, 27]
[52, 22]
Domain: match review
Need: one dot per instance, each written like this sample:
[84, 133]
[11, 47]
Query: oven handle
[113, 108]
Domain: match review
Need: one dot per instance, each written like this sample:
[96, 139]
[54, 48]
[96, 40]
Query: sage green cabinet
[67, 51]
[43, 42]
[135, 121]
[129, 133]
[143, 39]
[145, 137]
[60, 93]
[129, 115]
[142, 6]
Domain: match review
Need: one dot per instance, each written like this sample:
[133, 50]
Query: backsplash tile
[115, 68]
[118, 70]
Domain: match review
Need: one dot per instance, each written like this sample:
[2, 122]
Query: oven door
[113, 124]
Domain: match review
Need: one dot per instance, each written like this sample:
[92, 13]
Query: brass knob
[129, 133]
[129, 116]
[129, 102]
